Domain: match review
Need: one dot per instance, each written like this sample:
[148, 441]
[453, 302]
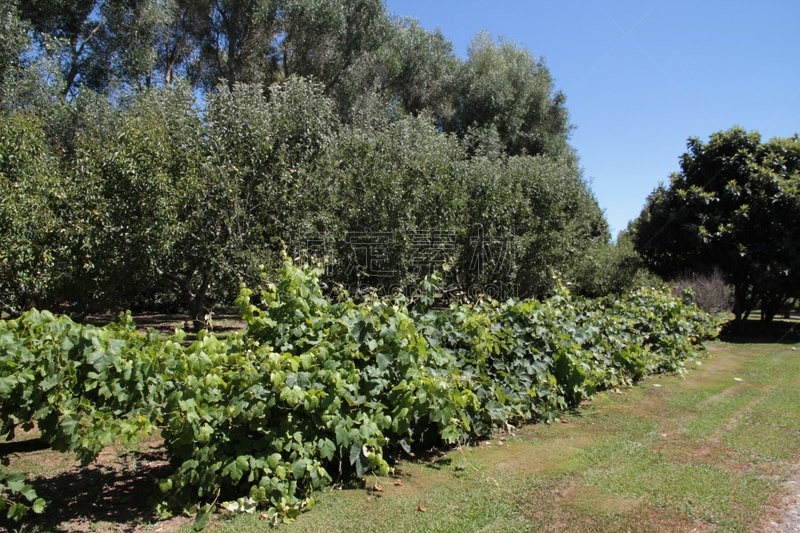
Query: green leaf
[327, 449]
[17, 512]
[39, 505]
[29, 493]
[7, 384]
[299, 469]
[383, 360]
[203, 516]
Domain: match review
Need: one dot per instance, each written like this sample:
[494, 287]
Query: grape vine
[315, 388]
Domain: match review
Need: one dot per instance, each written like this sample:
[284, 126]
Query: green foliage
[395, 175]
[613, 269]
[124, 169]
[334, 42]
[84, 387]
[13, 38]
[14, 491]
[315, 386]
[114, 88]
[417, 68]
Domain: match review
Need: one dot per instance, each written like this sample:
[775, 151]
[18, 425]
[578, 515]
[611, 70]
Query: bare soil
[115, 493]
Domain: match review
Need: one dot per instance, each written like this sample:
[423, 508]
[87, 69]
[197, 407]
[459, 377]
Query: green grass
[708, 452]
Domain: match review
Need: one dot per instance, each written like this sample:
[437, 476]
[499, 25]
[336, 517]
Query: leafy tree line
[158, 152]
[734, 207]
[501, 96]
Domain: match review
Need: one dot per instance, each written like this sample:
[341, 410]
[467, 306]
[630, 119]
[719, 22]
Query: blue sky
[643, 76]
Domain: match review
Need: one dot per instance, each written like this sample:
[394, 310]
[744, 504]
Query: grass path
[709, 452]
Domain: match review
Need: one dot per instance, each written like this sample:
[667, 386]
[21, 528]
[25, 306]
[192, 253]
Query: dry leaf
[398, 482]
[377, 488]
[421, 509]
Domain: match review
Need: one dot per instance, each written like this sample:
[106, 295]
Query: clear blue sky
[643, 76]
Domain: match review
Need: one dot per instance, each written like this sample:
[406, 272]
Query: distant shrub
[708, 291]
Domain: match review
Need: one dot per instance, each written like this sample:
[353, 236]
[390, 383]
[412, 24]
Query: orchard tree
[127, 171]
[733, 206]
[253, 185]
[528, 221]
[398, 198]
[28, 184]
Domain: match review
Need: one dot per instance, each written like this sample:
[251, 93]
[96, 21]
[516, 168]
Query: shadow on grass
[756, 331]
[121, 498]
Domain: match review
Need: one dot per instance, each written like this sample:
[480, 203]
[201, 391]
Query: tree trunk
[741, 303]
[197, 307]
[770, 305]
[195, 300]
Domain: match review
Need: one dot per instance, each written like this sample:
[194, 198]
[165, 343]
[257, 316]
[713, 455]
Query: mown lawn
[708, 452]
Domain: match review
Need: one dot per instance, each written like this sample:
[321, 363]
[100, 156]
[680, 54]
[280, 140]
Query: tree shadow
[756, 331]
[121, 496]
[22, 446]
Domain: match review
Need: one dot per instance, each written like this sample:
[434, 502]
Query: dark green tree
[529, 220]
[253, 185]
[333, 42]
[236, 38]
[416, 68]
[127, 172]
[399, 196]
[66, 30]
[733, 206]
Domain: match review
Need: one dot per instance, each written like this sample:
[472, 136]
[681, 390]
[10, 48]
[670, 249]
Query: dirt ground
[115, 493]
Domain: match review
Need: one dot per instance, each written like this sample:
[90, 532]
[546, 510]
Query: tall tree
[506, 96]
[74, 24]
[733, 206]
[125, 54]
[417, 68]
[328, 40]
[237, 41]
